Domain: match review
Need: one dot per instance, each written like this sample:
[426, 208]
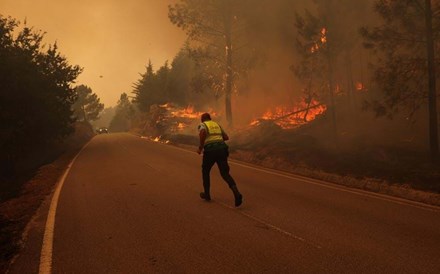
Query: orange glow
[360, 86]
[181, 126]
[324, 35]
[322, 40]
[291, 121]
[97, 34]
[187, 112]
[183, 118]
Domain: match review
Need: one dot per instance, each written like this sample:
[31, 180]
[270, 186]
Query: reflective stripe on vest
[214, 133]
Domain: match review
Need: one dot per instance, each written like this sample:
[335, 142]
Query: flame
[181, 126]
[360, 86]
[166, 106]
[323, 35]
[182, 118]
[187, 112]
[292, 117]
[322, 41]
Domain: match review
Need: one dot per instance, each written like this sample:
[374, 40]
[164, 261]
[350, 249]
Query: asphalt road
[129, 205]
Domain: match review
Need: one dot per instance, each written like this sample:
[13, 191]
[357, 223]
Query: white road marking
[343, 188]
[360, 192]
[271, 226]
[47, 248]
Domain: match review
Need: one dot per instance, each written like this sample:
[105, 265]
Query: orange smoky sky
[111, 39]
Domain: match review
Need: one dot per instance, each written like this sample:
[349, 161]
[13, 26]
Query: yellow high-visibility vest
[214, 132]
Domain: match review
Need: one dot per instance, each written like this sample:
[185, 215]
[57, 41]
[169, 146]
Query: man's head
[205, 117]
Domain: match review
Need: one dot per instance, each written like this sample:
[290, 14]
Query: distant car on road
[102, 130]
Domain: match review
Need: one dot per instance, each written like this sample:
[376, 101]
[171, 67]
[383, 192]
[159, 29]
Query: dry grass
[378, 185]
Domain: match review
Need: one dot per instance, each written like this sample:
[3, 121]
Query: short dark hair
[205, 117]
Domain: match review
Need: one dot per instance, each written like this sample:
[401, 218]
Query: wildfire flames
[322, 40]
[187, 112]
[178, 119]
[291, 117]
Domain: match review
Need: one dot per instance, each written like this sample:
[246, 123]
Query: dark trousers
[220, 157]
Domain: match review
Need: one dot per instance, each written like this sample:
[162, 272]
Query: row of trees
[228, 38]
[401, 43]
[36, 91]
[123, 115]
[406, 67]
[181, 83]
[36, 94]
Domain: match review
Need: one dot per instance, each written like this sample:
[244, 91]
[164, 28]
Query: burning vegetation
[311, 92]
[292, 117]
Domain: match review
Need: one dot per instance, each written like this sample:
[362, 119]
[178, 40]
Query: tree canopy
[87, 106]
[217, 28]
[36, 93]
[123, 114]
[402, 73]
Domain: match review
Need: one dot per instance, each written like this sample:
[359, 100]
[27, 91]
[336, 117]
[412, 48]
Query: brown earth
[26, 192]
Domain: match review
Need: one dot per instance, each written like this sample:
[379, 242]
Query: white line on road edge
[47, 248]
[343, 188]
[269, 225]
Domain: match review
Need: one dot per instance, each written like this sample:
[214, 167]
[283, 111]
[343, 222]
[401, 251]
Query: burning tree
[215, 27]
[406, 68]
[326, 44]
[288, 117]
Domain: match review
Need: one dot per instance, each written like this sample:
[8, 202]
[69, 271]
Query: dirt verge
[17, 211]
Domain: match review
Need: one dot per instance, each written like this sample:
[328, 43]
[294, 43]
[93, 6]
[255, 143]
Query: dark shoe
[238, 199]
[237, 195]
[204, 196]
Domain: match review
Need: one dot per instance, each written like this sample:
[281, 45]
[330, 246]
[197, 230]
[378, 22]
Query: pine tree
[87, 106]
[404, 46]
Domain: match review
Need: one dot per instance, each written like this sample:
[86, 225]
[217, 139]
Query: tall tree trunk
[350, 82]
[84, 113]
[332, 99]
[309, 90]
[433, 126]
[331, 54]
[229, 76]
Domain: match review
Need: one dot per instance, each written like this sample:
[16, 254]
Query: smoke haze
[109, 38]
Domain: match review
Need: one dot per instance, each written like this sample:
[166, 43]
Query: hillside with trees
[338, 86]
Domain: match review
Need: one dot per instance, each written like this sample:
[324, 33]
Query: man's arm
[202, 137]
[225, 136]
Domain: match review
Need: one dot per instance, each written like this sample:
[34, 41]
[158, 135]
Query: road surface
[129, 205]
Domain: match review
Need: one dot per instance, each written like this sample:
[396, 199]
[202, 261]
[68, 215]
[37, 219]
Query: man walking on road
[215, 150]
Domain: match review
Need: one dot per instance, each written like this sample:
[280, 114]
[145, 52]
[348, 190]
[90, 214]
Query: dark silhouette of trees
[406, 67]
[151, 88]
[175, 84]
[432, 94]
[180, 77]
[123, 115]
[87, 106]
[36, 93]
